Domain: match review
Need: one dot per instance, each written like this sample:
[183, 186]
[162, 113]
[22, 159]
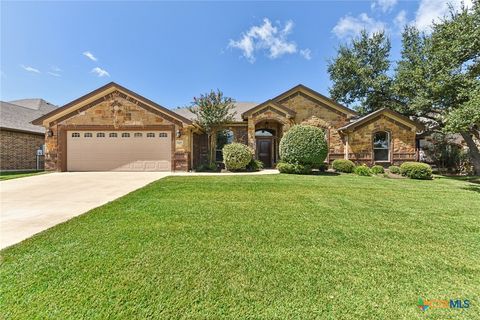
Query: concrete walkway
[32, 204]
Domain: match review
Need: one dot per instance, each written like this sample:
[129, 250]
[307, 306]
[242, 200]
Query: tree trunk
[473, 151]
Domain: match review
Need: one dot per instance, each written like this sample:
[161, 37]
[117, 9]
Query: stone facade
[18, 150]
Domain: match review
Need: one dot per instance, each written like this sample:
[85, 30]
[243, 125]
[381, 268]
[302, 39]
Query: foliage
[416, 170]
[293, 168]
[236, 156]
[359, 73]
[362, 170]
[212, 167]
[444, 152]
[394, 169]
[212, 110]
[343, 165]
[255, 165]
[377, 169]
[304, 144]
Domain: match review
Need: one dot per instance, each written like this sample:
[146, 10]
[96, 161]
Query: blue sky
[172, 51]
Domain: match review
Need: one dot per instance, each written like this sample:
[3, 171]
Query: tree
[360, 73]
[212, 110]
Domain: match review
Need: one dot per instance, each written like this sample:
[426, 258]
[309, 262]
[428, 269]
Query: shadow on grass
[472, 179]
[324, 173]
[473, 188]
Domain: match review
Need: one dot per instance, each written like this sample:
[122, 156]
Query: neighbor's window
[87, 135]
[112, 135]
[150, 135]
[125, 135]
[381, 146]
[100, 135]
[76, 135]
[163, 135]
[223, 137]
[138, 135]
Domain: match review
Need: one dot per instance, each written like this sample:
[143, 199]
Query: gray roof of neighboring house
[17, 114]
[240, 107]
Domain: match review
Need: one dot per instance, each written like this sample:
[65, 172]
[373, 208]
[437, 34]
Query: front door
[264, 151]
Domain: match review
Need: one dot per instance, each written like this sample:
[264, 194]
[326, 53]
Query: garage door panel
[120, 153]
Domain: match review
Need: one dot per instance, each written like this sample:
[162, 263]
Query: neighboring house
[19, 139]
[113, 128]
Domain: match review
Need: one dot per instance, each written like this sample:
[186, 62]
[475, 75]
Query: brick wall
[18, 150]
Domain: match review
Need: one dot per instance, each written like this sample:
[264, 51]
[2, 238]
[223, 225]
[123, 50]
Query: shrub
[342, 165]
[394, 169]
[236, 156]
[416, 170]
[363, 170]
[212, 167]
[255, 165]
[376, 169]
[304, 144]
[285, 167]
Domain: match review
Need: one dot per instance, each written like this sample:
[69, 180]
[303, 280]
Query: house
[113, 128]
[19, 139]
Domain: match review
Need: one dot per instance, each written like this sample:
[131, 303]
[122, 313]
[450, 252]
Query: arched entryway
[267, 139]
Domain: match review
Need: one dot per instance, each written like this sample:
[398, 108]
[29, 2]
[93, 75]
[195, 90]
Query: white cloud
[384, 5]
[30, 69]
[54, 74]
[90, 55]
[349, 26]
[306, 53]
[269, 38]
[400, 20]
[100, 72]
[434, 10]
[55, 69]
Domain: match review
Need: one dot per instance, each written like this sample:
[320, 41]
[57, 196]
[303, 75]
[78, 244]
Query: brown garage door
[119, 151]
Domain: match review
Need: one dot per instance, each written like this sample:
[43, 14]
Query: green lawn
[7, 175]
[263, 247]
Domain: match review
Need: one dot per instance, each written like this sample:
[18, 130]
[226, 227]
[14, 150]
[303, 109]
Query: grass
[237, 247]
[7, 175]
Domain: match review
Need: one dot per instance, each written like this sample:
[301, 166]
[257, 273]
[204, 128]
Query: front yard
[329, 247]
[8, 175]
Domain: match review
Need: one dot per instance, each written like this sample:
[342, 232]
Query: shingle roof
[239, 108]
[17, 114]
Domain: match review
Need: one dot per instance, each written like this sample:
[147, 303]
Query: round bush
[236, 156]
[416, 170]
[304, 144]
[376, 169]
[343, 165]
[394, 169]
[363, 170]
[294, 168]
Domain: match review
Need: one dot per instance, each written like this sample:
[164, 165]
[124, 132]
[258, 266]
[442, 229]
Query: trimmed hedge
[236, 156]
[416, 170]
[376, 169]
[255, 165]
[293, 168]
[363, 170]
[343, 165]
[394, 169]
[305, 145]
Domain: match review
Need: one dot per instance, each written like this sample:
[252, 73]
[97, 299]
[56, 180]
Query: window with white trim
[87, 135]
[223, 137]
[150, 135]
[76, 135]
[138, 134]
[100, 134]
[125, 135]
[113, 135]
[162, 135]
[381, 146]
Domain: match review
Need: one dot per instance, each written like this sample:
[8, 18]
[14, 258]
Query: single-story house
[113, 128]
[19, 139]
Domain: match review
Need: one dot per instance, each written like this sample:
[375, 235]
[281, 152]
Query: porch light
[49, 133]
[179, 133]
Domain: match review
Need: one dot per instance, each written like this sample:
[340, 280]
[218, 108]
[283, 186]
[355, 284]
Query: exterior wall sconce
[179, 133]
[49, 133]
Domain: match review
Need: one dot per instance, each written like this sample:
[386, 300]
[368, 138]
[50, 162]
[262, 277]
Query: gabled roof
[267, 103]
[385, 111]
[17, 115]
[107, 87]
[316, 94]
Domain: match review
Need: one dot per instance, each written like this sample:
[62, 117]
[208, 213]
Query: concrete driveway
[32, 204]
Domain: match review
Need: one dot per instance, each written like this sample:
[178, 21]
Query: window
[150, 135]
[163, 135]
[125, 135]
[87, 135]
[75, 135]
[264, 133]
[138, 135]
[223, 137]
[100, 135]
[381, 146]
[112, 135]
